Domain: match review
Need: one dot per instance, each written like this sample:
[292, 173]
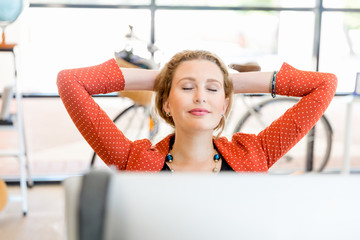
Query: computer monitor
[225, 206]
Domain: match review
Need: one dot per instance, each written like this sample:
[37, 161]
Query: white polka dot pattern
[248, 152]
[244, 153]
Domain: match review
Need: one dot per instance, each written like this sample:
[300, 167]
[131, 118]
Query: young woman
[194, 94]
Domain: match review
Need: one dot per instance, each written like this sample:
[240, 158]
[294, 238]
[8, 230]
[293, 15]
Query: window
[63, 33]
[237, 3]
[267, 37]
[341, 3]
[340, 47]
[60, 38]
[91, 2]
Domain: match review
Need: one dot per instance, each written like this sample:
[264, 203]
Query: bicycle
[263, 110]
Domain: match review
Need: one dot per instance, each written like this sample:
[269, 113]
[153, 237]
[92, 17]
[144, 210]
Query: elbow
[333, 78]
[62, 81]
[329, 83]
[61, 77]
[333, 82]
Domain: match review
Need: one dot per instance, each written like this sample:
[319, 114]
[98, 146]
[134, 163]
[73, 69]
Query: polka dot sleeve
[316, 89]
[75, 89]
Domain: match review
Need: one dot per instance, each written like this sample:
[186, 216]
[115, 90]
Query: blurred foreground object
[160, 206]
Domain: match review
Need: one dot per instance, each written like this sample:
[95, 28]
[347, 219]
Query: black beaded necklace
[169, 158]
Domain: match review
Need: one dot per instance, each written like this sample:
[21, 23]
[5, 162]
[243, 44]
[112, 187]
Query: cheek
[219, 103]
[176, 101]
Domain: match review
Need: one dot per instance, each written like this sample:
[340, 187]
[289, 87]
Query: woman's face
[197, 99]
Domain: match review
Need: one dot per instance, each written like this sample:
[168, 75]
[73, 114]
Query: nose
[199, 97]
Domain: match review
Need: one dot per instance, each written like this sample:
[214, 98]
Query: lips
[198, 111]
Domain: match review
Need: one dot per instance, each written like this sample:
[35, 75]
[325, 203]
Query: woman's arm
[252, 82]
[316, 91]
[75, 89]
[139, 79]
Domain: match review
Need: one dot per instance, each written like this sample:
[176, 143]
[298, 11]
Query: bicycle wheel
[134, 121]
[298, 158]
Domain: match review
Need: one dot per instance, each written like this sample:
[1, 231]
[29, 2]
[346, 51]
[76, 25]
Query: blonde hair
[163, 82]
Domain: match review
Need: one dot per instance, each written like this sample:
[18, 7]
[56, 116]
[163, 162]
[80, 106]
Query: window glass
[92, 2]
[341, 3]
[340, 47]
[59, 38]
[242, 3]
[268, 38]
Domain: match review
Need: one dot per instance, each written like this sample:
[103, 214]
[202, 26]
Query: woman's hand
[247, 67]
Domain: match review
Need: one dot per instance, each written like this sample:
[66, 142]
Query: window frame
[318, 10]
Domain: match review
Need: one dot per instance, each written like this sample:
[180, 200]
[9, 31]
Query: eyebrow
[207, 80]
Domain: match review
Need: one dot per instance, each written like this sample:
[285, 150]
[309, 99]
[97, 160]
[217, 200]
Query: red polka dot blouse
[244, 153]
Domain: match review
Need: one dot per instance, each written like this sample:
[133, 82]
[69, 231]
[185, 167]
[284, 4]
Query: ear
[166, 106]
[226, 104]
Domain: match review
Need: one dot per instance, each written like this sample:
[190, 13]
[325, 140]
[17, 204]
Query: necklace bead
[169, 158]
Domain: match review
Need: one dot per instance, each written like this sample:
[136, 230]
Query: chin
[198, 125]
[204, 127]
